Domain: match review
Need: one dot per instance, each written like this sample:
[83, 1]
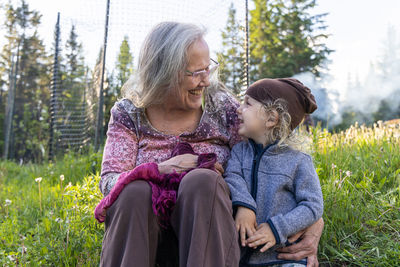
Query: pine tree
[115, 81]
[30, 120]
[285, 39]
[72, 131]
[74, 65]
[232, 57]
[124, 63]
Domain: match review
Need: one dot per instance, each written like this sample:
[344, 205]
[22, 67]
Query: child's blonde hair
[281, 131]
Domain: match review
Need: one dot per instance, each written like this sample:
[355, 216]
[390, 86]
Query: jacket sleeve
[235, 179]
[120, 150]
[309, 199]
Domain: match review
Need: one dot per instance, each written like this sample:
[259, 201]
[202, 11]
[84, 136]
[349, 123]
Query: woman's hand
[307, 247]
[245, 223]
[180, 163]
[262, 236]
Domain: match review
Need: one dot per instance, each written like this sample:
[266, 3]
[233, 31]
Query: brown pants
[202, 222]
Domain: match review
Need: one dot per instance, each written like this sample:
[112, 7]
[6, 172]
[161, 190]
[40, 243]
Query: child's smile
[252, 120]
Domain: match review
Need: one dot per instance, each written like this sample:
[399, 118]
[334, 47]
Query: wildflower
[62, 177]
[333, 166]
[348, 173]
[11, 257]
[8, 202]
[22, 249]
[59, 220]
[38, 180]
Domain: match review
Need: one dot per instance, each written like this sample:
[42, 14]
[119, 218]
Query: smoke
[375, 97]
[327, 99]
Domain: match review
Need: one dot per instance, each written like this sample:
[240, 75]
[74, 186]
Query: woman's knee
[199, 180]
[135, 194]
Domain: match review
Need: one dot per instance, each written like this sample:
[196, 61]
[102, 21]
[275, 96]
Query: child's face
[253, 120]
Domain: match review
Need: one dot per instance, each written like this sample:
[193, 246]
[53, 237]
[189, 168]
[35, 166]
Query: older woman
[172, 100]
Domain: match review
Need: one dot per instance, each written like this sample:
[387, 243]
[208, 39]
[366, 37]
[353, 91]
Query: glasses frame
[200, 73]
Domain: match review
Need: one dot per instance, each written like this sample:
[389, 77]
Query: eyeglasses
[201, 74]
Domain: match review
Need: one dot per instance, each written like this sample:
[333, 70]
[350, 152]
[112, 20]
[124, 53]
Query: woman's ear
[272, 119]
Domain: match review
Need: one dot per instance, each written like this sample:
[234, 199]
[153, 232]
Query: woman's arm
[120, 150]
[307, 247]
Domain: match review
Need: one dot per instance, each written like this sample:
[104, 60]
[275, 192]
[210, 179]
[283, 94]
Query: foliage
[32, 94]
[232, 57]
[359, 170]
[52, 225]
[285, 39]
[124, 63]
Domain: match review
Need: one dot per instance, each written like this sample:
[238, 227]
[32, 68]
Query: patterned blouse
[132, 140]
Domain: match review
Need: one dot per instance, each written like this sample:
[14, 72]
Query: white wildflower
[8, 202]
[348, 173]
[11, 257]
[38, 180]
[62, 177]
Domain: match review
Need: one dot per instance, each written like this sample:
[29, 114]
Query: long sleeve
[309, 203]
[234, 177]
[232, 120]
[120, 150]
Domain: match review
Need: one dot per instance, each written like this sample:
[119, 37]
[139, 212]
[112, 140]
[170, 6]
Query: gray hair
[162, 61]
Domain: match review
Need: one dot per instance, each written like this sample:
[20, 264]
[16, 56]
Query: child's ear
[272, 119]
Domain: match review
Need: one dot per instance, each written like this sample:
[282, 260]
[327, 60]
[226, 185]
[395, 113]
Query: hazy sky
[358, 28]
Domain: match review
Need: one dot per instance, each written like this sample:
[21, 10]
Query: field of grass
[49, 221]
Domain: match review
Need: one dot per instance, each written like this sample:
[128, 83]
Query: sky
[357, 28]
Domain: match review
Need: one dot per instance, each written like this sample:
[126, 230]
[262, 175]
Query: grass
[359, 171]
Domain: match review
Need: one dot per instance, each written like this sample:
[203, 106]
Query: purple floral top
[131, 139]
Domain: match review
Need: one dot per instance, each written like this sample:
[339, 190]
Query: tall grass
[359, 171]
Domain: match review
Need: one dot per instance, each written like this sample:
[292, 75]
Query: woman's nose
[205, 80]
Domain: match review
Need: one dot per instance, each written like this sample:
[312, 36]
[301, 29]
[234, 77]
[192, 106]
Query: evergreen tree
[285, 39]
[124, 63]
[124, 68]
[232, 57]
[30, 120]
[73, 125]
[74, 66]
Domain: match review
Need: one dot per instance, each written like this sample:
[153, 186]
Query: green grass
[359, 171]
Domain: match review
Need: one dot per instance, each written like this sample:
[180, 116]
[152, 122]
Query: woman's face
[192, 88]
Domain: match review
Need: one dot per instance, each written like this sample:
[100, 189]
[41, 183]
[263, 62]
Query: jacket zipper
[254, 169]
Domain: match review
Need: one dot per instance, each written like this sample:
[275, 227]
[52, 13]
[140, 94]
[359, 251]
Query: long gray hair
[162, 61]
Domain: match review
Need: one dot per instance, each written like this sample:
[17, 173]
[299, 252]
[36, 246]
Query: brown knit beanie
[299, 98]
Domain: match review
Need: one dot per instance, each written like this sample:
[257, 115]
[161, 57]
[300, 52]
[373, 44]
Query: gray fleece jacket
[281, 186]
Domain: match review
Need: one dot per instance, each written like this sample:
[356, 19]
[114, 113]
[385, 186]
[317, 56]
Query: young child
[274, 188]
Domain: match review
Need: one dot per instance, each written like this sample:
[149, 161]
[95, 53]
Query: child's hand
[263, 235]
[245, 223]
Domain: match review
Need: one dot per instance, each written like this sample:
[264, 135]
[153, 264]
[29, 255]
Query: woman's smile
[196, 92]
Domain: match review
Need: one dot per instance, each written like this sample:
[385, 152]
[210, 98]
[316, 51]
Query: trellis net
[74, 116]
